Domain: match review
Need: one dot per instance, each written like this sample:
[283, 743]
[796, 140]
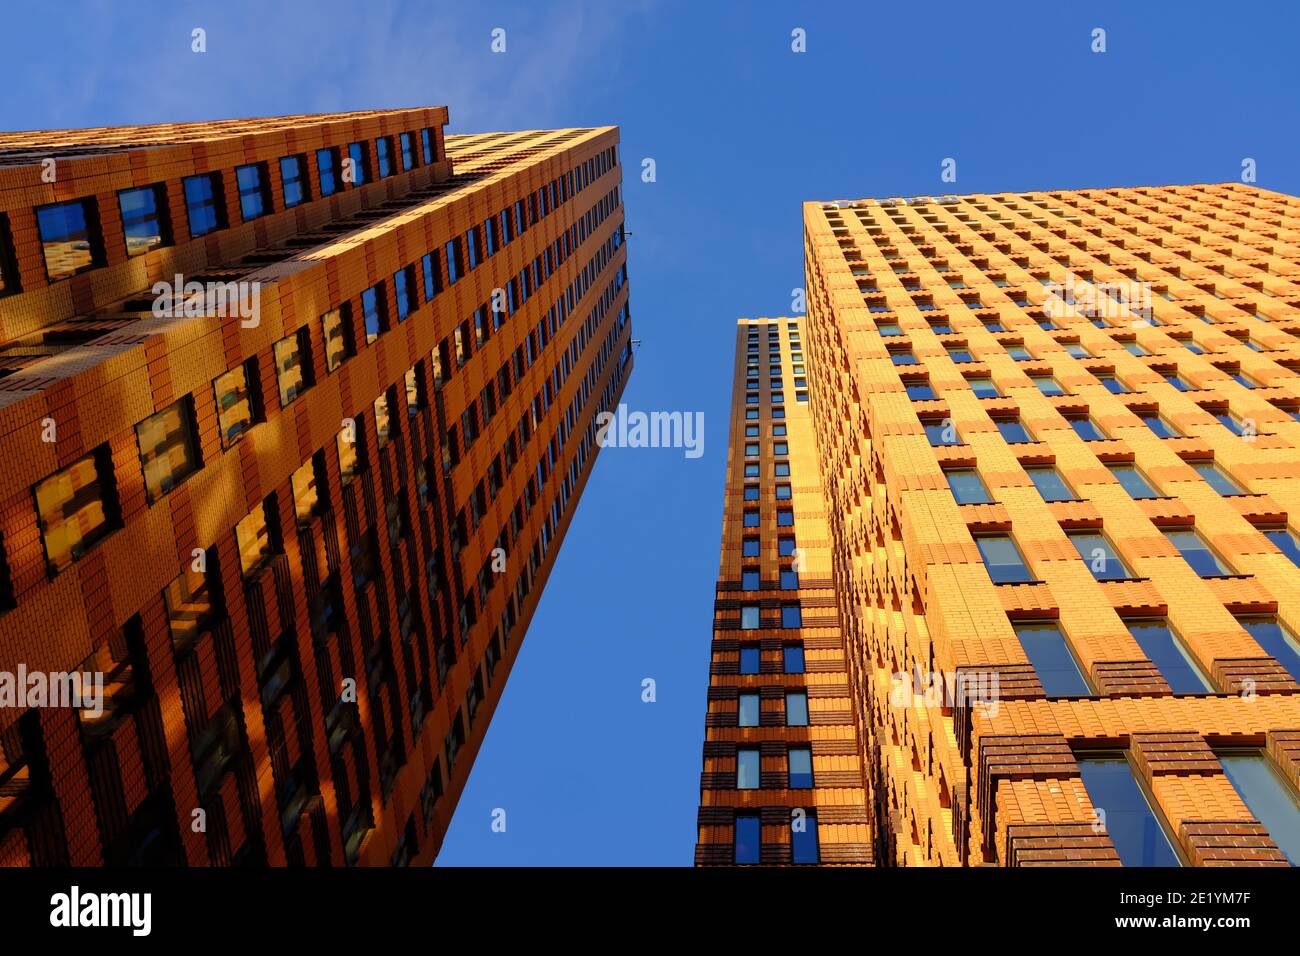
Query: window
[967, 487]
[749, 580]
[748, 709]
[69, 237]
[1270, 798]
[785, 547]
[1112, 384]
[1047, 384]
[1100, 557]
[254, 197]
[983, 387]
[359, 159]
[348, 443]
[406, 142]
[8, 265]
[749, 617]
[426, 145]
[306, 492]
[1159, 427]
[1285, 541]
[253, 536]
[1051, 486]
[383, 420]
[1230, 421]
[372, 310]
[191, 603]
[1217, 478]
[168, 448]
[796, 708]
[77, 508]
[1012, 430]
[384, 155]
[1134, 482]
[1019, 353]
[792, 658]
[1131, 824]
[404, 293]
[1276, 640]
[236, 402]
[747, 768]
[749, 548]
[747, 839]
[749, 658]
[791, 615]
[144, 219]
[782, 492]
[803, 839]
[205, 206]
[327, 165]
[1002, 559]
[1052, 660]
[940, 432]
[1197, 553]
[789, 580]
[919, 390]
[799, 768]
[336, 330]
[293, 181]
[1085, 428]
[1164, 649]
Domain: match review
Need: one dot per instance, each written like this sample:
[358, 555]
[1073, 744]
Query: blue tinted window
[799, 767]
[327, 163]
[404, 292]
[432, 275]
[749, 618]
[789, 580]
[471, 250]
[384, 155]
[1012, 430]
[747, 838]
[1086, 429]
[1286, 543]
[1056, 667]
[792, 658]
[1197, 553]
[1159, 427]
[1100, 557]
[360, 163]
[293, 179]
[803, 839]
[251, 180]
[791, 616]
[748, 710]
[372, 304]
[940, 433]
[1273, 802]
[1169, 655]
[1133, 481]
[144, 219]
[426, 144]
[1132, 826]
[749, 658]
[407, 142]
[796, 708]
[1002, 559]
[1276, 641]
[1217, 478]
[453, 261]
[69, 241]
[967, 487]
[1051, 486]
[749, 580]
[204, 205]
[747, 768]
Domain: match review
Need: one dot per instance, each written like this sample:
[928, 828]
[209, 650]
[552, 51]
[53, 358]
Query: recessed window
[967, 487]
[337, 332]
[747, 840]
[168, 448]
[1159, 427]
[69, 237]
[803, 839]
[294, 185]
[306, 492]
[1197, 553]
[77, 507]
[293, 365]
[1051, 486]
[372, 310]
[1085, 428]
[749, 580]
[1134, 482]
[747, 768]
[919, 391]
[791, 616]
[1097, 553]
[384, 155]
[940, 432]
[1132, 826]
[254, 196]
[205, 206]
[383, 420]
[1112, 384]
[748, 709]
[1217, 478]
[782, 492]
[749, 548]
[792, 658]
[253, 535]
[749, 658]
[1285, 541]
[191, 602]
[359, 161]
[799, 768]
[237, 406]
[407, 143]
[1012, 430]
[348, 443]
[1003, 560]
[404, 293]
[144, 219]
[1164, 649]
[1269, 797]
[796, 708]
[983, 387]
[1057, 669]
[1276, 640]
[749, 620]
[789, 580]
[1047, 384]
[8, 265]
[327, 166]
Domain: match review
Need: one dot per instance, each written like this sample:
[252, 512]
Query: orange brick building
[1058, 446]
[299, 511]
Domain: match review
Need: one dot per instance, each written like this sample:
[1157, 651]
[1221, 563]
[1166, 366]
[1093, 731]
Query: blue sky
[742, 130]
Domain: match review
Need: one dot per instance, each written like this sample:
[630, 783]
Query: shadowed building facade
[299, 511]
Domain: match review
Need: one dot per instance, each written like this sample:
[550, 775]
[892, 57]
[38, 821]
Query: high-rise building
[783, 766]
[1059, 452]
[295, 413]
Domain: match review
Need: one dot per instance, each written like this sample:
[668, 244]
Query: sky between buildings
[741, 129]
